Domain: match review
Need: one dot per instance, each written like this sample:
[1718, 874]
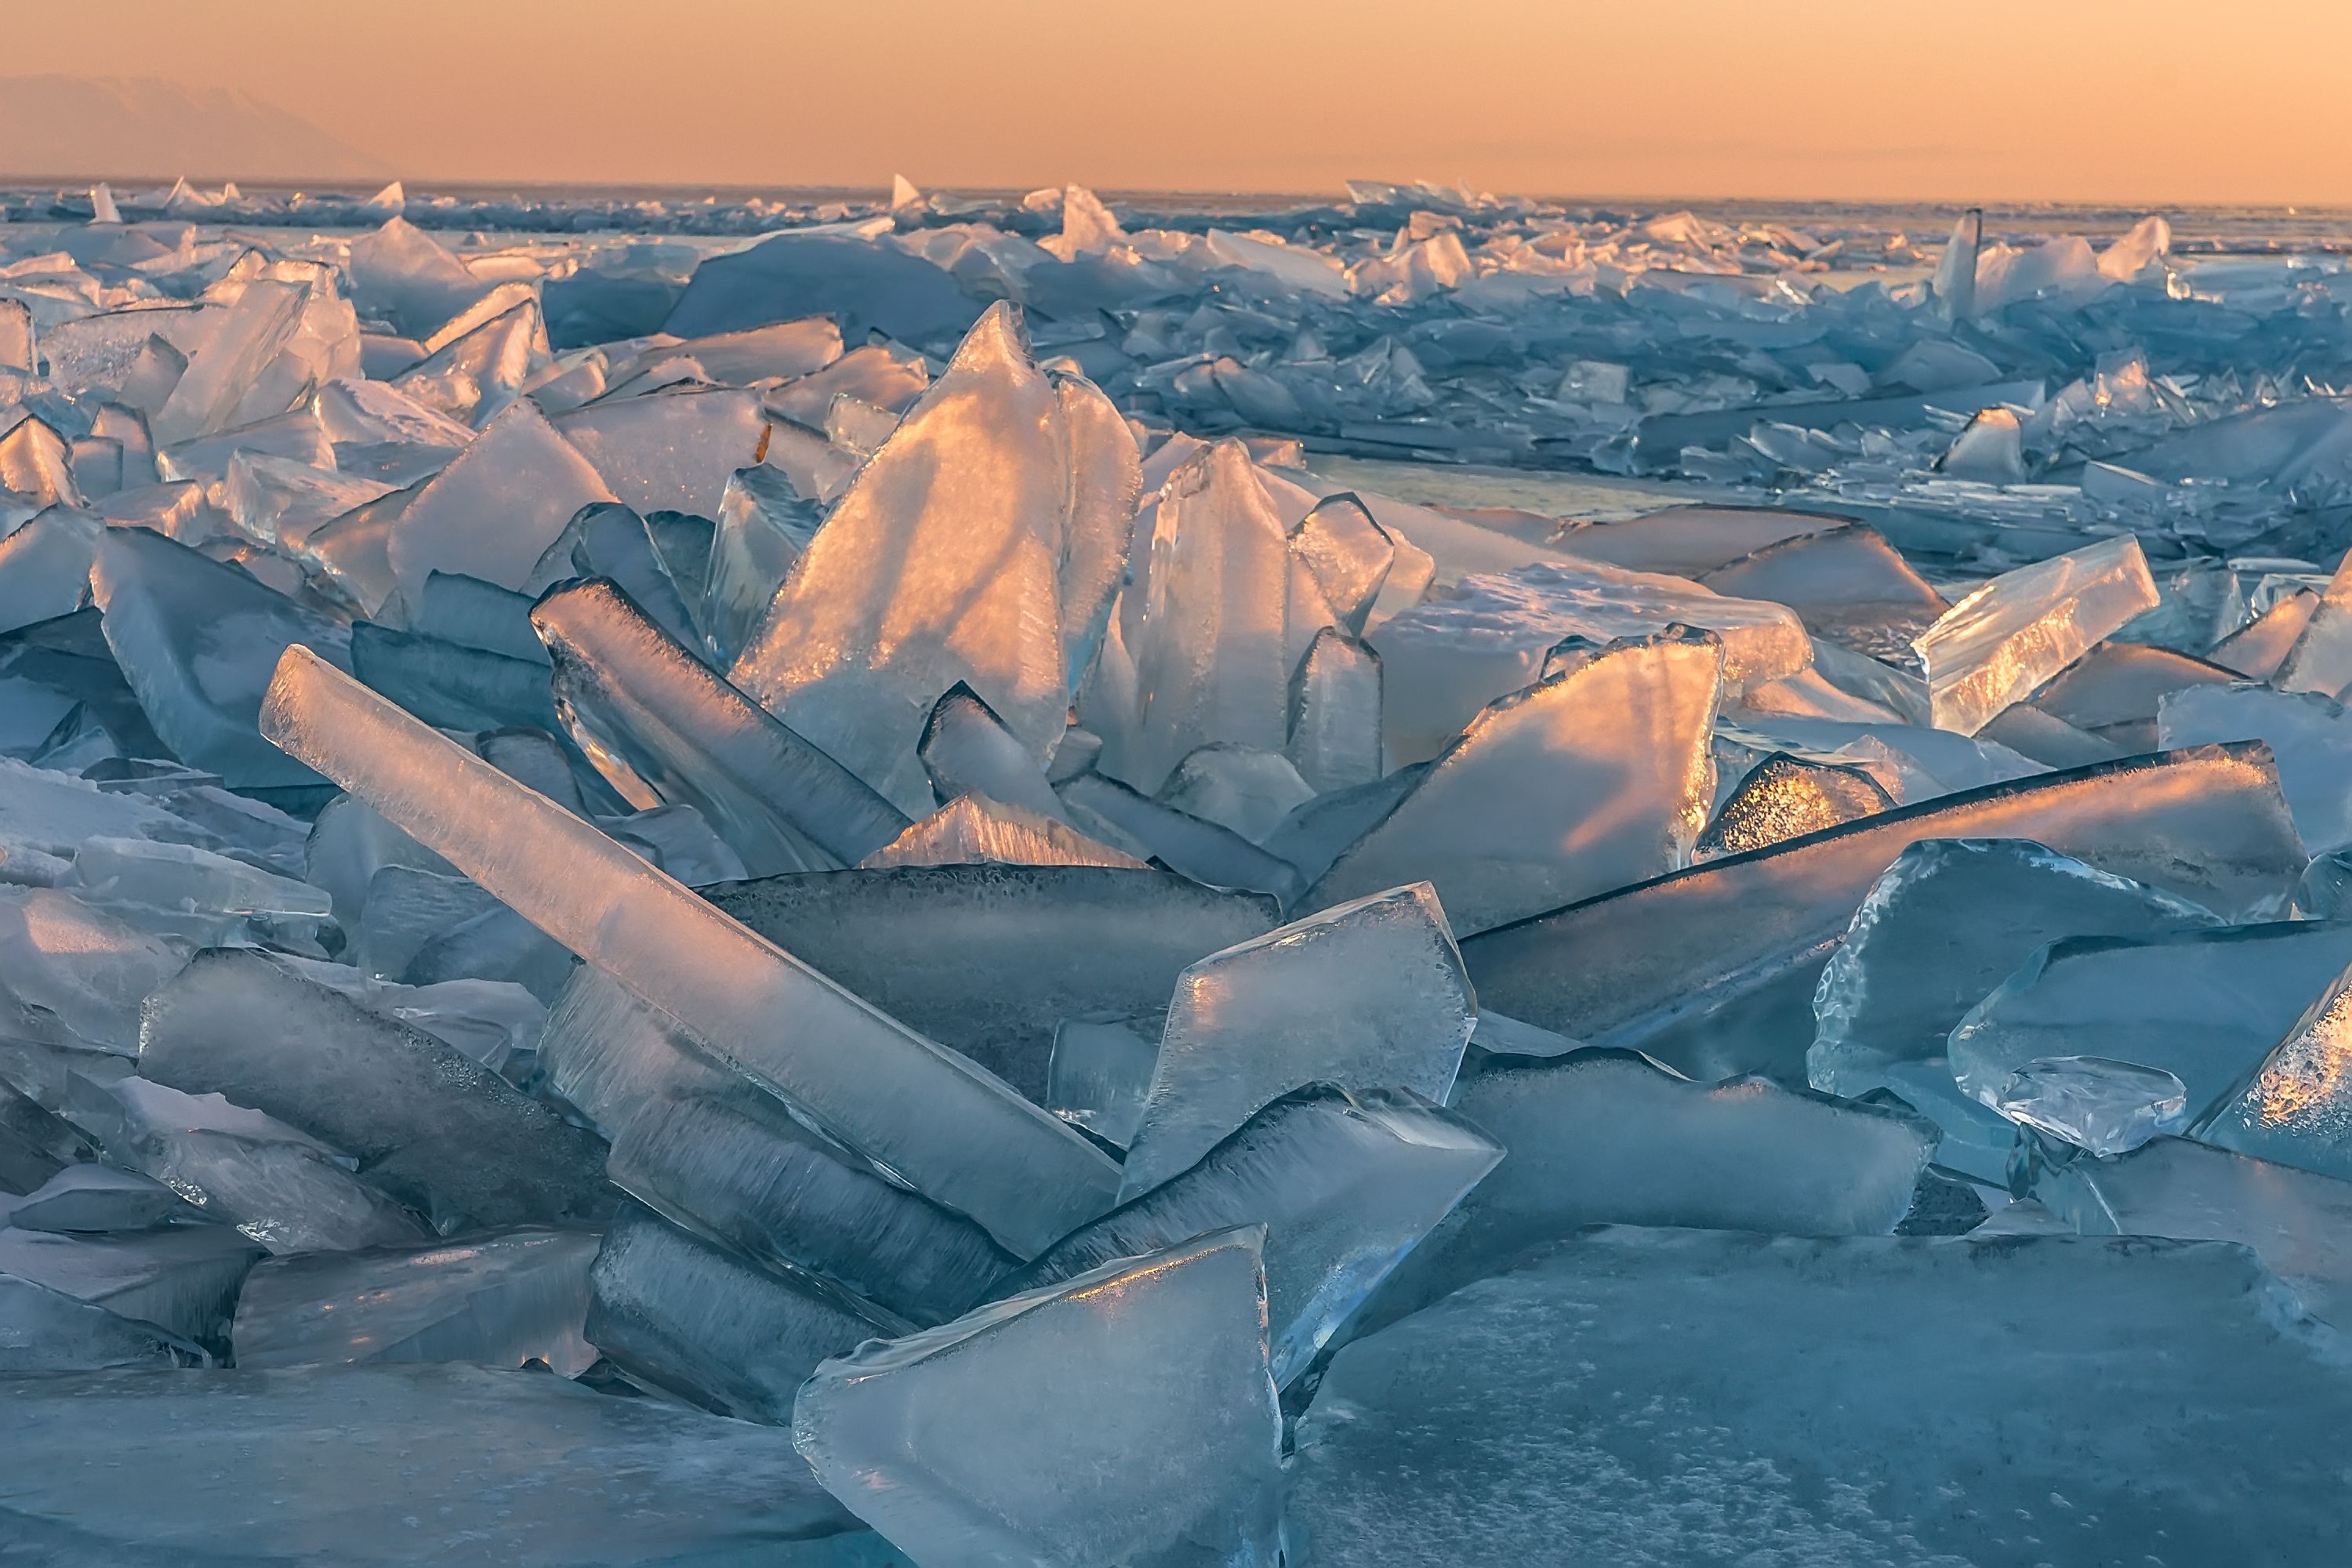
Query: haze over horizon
[2098, 102]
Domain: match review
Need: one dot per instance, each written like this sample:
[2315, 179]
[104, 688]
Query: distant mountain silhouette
[142, 128]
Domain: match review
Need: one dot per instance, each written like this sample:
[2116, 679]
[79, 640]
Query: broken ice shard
[497, 507]
[182, 1279]
[43, 1333]
[2204, 1005]
[1597, 776]
[1350, 554]
[93, 1198]
[1993, 648]
[497, 1298]
[967, 749]
[953, 1132]
[1100, 1071]
[644, 709]
[975, 830]
[427, 1123]
[1713, 969]
[1124, 1416]
[2311, 735]
[1335, 713]
[2095, 1103]
[197, 640]
[1602, 1137]
[1785, 797]
[982, 544]
[687, 1319]
[762, 526]
[1240, 787]
[280, 1464]
[2295, 1108]
[1952, 919]
[1495, 1424]
[1345, 1183]
[80, 970]
[1207, 852]
[1366, 995]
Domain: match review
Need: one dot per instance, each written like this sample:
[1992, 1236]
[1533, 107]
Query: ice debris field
[1415, 880]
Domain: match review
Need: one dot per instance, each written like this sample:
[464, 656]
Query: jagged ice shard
[1997, 644]
[980, 543]
[952, 1131]
[1122, 1416]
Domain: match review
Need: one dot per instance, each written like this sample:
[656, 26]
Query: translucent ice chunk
[274, 1182]
[197, 640]
[1950, 920]
[1099, 1074]
[1990, 450]
[45, 567]
[1846, 583]
[680, 1316]
[2320, 660]
[952, 1131]
[497, 507]
[180, 1278]
[1350, 554]
[2103, 1106]
[1010, 494]
[722, 1155]
[673, 451]
[427, 1123]
[763, 524]
[1345, 1184]
[2309, 733]
[1993, 648]
[1239, 787]
[87, 970]
[2298, 1224]
[402, 275]
[967, 749]
[497, 1299]
[1207, 852]
[631, 694]
[245, 1467]
[975, 830]
[480, 373]
[1485, 637]
[2295, 1108]
[2204, 1005]
[2115, 690]
[2258, 649]
[1595, 777]
[93, 1198]
[1606, 1137]
[968, 1443]
[1369, 994]
[1335, 713]
[1492, 1427]
[43, 1333]
[1954, 283]
[249, 333]
[1785, 797]
[1713, 969]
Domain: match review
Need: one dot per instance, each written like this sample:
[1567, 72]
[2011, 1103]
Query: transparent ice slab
[952, 1131]
[497, 1298]
[1993, 648]
[1495, 1425]
[1345, 1184]
[1207, 852]
[2295, 1108]
[2309, 733]
[497, 507]
[46, 1332]
[1243, 788]
[1335, 713]
[1369, 994]
[967, 749]
[1124, 1416]
[183, 1280]
[1713, 969]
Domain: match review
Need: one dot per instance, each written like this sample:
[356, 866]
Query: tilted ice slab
[1495, 1426]
[950, 1129]
[1367, 995]
[183, 1278]
[966, 749]
[1604, 1136]
[1952, 919]
[2205, 1005]
[1335, 712]
[1124, 1416]
[1713, 969]
[646, 709]
[1993, 648]
[1489, 636]
[43, 1333]
[497, 507]
[2309, 733]
[1345, 1184]
[80, 970]
[427, 1123]
[1597, 776]
[982, 544]
[243, 1467]
[2295, 1108]
[499, 1299]
[976, 830]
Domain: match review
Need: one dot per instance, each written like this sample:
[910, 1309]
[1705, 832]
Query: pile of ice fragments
[814, 904]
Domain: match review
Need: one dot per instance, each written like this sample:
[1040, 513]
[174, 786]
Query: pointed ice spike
[953, 1132]
[1955, 284]
[497, 1298]
[1124, 1416]
[903, 192]
[1602, 1137]
[1350, 554]
[967, 749]
[1345, 1184]
[402, 275]
[720, 1154]
[762, 526]
[1593, 778]
[1712, 970]
[2205, 1005]
[1993, 648]
[101, 204]
[1335, 713]
[497, 507]
[1785, 797]
[608, 539]
[1952, 919]
[682, 1317]
[628, 691]
[428, 1124]
[197, 640]
[1367, 995]
[1014, 496]
[1222, 629]
[975, 830]
[2298, 1224]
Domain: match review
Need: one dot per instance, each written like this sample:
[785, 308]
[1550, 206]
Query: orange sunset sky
[2146, 101]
